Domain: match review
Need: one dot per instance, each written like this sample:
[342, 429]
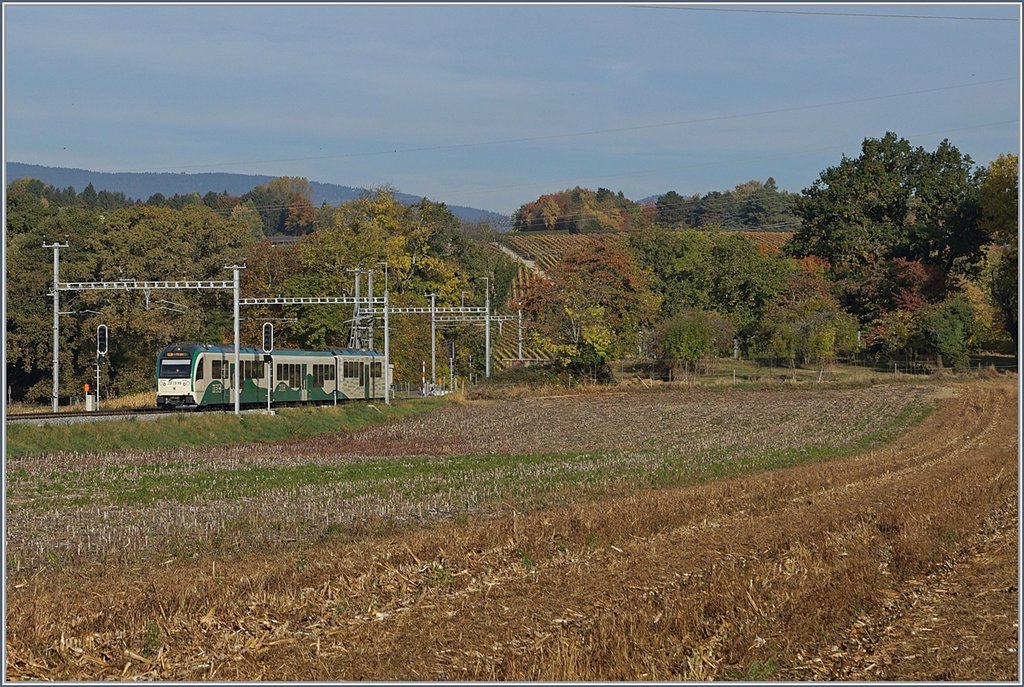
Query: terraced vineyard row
[506, 343]
[547, 249]
[768, 241]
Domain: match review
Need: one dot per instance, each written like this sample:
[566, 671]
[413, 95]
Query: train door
[364, 372]
[338, 371]
[217, 390]
[303, 383]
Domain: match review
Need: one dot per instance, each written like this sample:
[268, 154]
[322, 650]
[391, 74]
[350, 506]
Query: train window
[252, 369]
[376, 369]
[200, 365]
[330, 373]
[215, 369]
[353, 369]
[294, 380]
[175, 369]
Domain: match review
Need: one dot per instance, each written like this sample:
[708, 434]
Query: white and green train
[193, 375]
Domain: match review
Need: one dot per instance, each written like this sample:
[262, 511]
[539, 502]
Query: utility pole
[487, 327]
[451, 366]
[354, 337]
[55, 399]
[433, 338]
[238, 352]
[520, 336]
[387, 338]
[369, 295]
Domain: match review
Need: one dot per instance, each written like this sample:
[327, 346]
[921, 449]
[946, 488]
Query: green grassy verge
[479, 478]
[198, 429]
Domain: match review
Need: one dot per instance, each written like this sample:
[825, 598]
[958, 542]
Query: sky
[490, 106]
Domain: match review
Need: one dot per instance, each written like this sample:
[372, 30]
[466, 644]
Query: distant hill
[142, 185]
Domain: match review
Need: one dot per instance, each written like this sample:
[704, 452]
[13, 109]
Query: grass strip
[200, 429]
[521, 476]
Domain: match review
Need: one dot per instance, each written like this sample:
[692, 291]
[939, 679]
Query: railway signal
[268, 337]
[101, 340]
[268, 347]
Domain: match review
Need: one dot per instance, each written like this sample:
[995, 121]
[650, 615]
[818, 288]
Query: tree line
[898, 253]
[751, 206]
[424, 247]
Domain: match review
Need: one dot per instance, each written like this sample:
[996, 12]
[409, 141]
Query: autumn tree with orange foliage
[594, 305]
[581, 210]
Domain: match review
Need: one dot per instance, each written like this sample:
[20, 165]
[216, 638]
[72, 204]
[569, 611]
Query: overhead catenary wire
[818, 13]
[712, 203]
[313, 206]
[591, 132]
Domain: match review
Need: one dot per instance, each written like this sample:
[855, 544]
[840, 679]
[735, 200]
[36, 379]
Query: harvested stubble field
[648, 536]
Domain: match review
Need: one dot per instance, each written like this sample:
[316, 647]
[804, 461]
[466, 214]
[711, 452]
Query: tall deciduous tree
[285, 204]
[999, 217]
[595, 304]
[892, 201]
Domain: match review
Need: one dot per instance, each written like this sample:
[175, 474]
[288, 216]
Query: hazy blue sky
[490, 106]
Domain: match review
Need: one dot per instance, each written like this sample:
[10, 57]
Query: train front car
[175, 387]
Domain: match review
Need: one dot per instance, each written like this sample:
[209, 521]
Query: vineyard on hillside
[506, 338]
[546, 250]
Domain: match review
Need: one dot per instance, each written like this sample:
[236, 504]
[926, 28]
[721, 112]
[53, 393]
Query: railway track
[86, 416]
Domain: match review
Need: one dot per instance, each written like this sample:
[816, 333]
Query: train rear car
[203, 376]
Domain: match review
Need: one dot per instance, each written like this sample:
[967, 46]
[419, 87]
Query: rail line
[84, 416]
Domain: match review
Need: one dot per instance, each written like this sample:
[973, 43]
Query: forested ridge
[898, 253]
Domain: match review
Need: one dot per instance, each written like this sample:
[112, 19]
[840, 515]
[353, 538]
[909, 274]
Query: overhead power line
[565, 184]
[591, 132]
[873, 15]
[606, 179]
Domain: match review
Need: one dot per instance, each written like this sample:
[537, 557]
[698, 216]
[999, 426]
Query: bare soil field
[793, 535]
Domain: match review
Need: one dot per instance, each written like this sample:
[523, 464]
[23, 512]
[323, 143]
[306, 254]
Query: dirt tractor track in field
[895, 563]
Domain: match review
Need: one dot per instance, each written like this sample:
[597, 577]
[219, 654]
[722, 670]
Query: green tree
[88, 197]
[671, 211]
[595, 304]
[766, 208]
[691, 336]
[894, 201]
[946, 330]
[285, 204]
[999, 218]
[804, 322]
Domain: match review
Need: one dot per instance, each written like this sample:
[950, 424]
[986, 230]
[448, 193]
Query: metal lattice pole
[520, 334]
[369, 319]
[487, 327]
[354, 338]
[238, 352]
[55, 399]
[387, 337]
[433, 339]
